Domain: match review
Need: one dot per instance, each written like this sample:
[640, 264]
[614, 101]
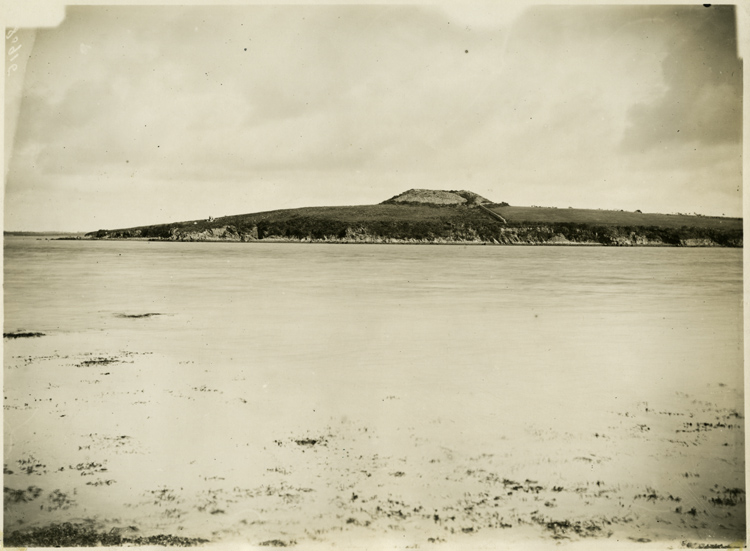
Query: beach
[374, 397]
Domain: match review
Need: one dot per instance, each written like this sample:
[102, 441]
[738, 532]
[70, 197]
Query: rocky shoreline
[525, 235]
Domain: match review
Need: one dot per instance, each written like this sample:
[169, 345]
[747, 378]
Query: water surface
[563, 365]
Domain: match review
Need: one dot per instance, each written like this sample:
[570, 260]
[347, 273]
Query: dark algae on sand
[71, 534]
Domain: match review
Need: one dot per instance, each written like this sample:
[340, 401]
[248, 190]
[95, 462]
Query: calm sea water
[484, 338]
[605, 319]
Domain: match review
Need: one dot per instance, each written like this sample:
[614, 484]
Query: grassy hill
[398, 221]
[430, 216]
[533, 215]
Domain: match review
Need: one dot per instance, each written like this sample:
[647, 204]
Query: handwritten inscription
[13, 49]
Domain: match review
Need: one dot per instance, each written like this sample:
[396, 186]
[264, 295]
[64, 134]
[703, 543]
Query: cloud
[703, 99]
[356, 103]
[289, 88]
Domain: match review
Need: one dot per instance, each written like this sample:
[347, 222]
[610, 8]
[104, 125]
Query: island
[449, 217]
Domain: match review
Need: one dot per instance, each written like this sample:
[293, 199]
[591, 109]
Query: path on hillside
[492, 213]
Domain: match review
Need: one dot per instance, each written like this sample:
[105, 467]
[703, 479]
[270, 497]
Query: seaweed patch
[70, 534]
[139, 316]
[22, 335]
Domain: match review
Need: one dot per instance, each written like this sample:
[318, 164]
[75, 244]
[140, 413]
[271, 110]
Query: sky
[132, 115]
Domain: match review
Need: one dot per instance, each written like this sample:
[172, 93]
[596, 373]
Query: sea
[197, 371]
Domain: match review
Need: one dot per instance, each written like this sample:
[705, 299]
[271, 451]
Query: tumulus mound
[437, 197]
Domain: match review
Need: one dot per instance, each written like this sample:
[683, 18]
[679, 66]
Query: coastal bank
[449, 217]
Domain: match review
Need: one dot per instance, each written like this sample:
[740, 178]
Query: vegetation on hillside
[533, 215]
[427, 222]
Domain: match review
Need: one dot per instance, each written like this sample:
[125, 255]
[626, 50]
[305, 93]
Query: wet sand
[133, 440]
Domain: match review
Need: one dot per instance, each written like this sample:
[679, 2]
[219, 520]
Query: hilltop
[439, 216]
[437, 197]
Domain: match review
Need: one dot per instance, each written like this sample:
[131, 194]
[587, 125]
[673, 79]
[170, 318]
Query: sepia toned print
[374, 277]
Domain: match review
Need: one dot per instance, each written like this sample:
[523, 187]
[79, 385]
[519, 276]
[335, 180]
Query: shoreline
[273, 240]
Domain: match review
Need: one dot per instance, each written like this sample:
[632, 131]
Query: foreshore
[360, 480]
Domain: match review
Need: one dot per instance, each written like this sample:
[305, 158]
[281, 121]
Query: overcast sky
[140, 115]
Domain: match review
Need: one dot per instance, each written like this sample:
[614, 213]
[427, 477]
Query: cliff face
[523, 235]
[222, 233]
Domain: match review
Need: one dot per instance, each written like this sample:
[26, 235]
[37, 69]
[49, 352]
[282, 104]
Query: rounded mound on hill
[438, 197]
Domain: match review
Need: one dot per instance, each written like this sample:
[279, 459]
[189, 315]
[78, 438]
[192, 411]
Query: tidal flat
[122, 455]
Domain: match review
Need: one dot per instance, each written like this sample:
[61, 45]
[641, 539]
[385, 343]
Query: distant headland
[449, 217]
